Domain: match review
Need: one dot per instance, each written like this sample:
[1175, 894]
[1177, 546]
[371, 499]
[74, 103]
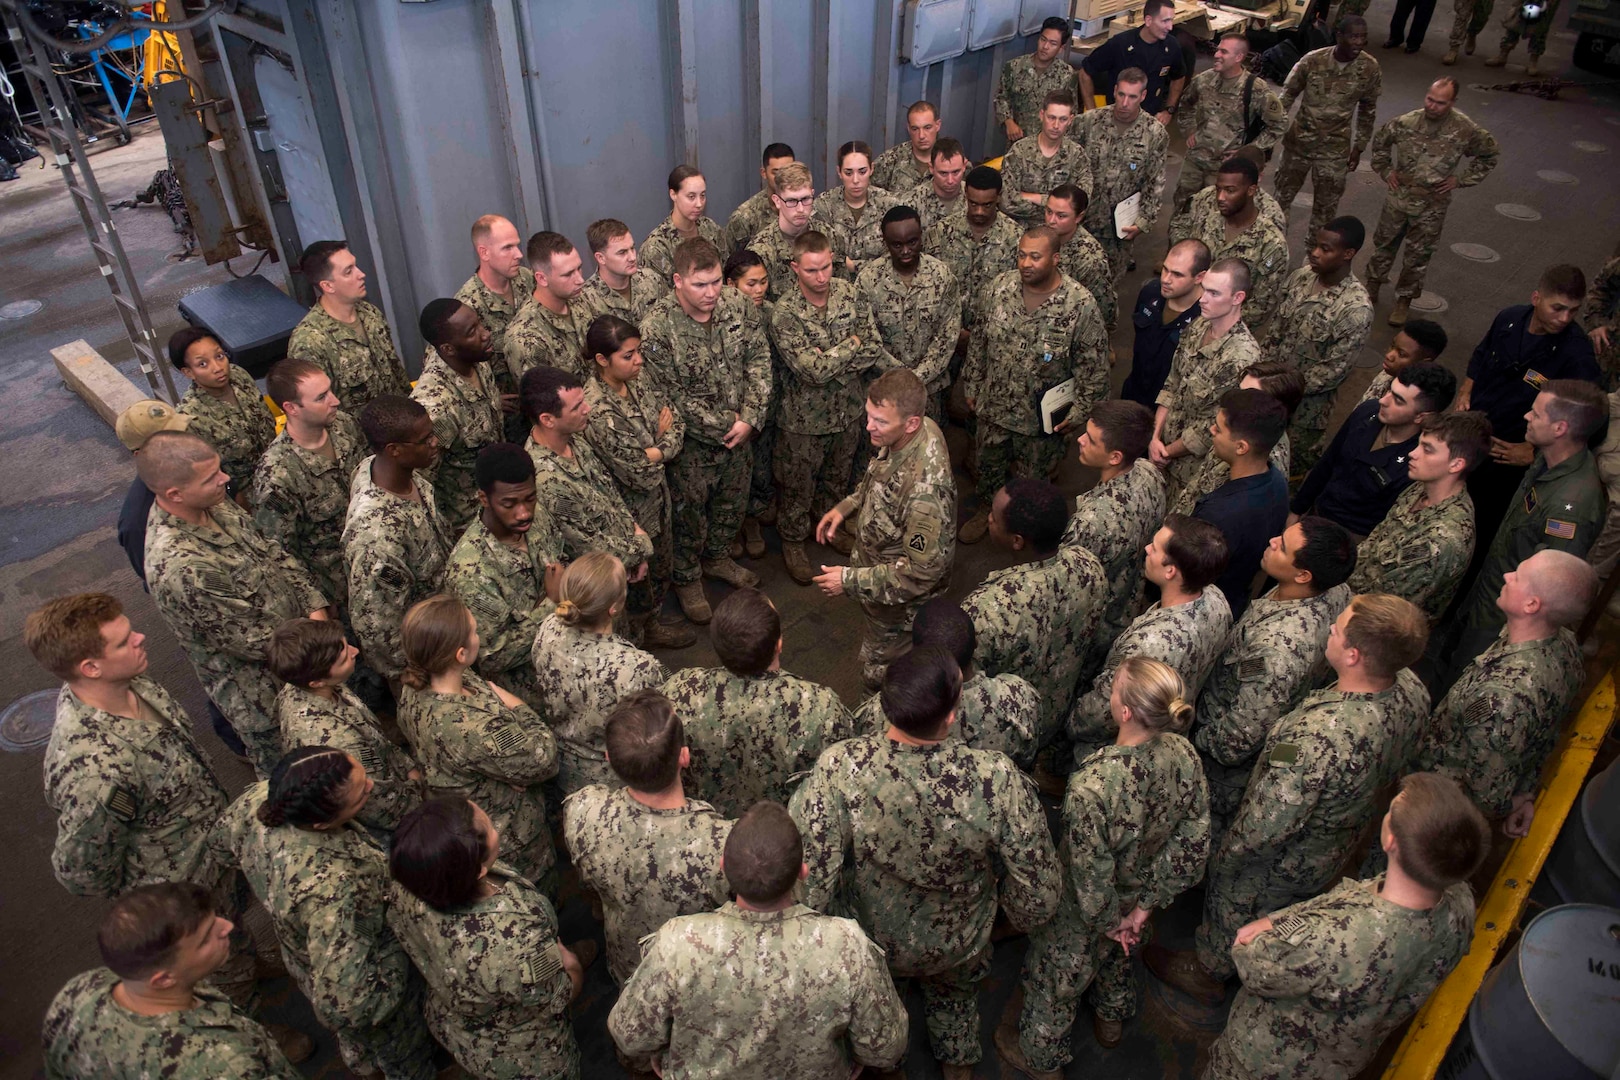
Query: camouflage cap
[146, 418]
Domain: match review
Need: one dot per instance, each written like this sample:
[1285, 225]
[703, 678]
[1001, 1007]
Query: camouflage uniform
[1084, 259]
[657, 252]
[1468, 19]
[496, 312]
[1497, 725]
[1135, 834]
[1320, 331]
[1021, 90]
[856, 238]
[359, 357]
[466, 418]
[327, 895]
[908, 839]
[300, 498]
[996, 712]
[1188, 637]
[1263, 246]
[1124, 161]
[1314, 789]
[752, 215]
[240, 430]
[752, 737]
[1273, 658]
[578, 495]
[582, 675]
[1115, 521]
[223, 591]
[471, 744]
[1211, 108]
[1515, 26]
[647, 287]
[823, 398]
[1603, 309]
[505, 589]
[929, 206]
[307, 719]
[1039, 620]
[497, 991]
[621, 430]
[897, 169]
[1025, 167]
[903, 519]
[1418, 553]
[787, 994]
[1212, 473]
[87, 1033]
[1199, 374]
[1333, 98]
[396, 550]
[1424, 153]
[647, 865]
[1332, 978]
[1204, 205]
[539, 336]
[919, 320]
[775, 247]
[976, 263]
[717, 372]
[1015, 357]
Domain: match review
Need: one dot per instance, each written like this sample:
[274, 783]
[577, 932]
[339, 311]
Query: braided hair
[306, 788]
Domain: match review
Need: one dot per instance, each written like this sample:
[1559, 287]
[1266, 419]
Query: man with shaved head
[222, 586]
[1495, 728]
[498, 290]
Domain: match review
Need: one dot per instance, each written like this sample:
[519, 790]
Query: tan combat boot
[974, 528]
[693, 603]
[798, 564]
[753, 539]
[1450, 57]
[728, 571]
[1499, 59]
[1403, 307]
[661, 635]
[1533, 68]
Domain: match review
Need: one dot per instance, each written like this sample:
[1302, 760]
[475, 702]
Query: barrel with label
[1584, 866]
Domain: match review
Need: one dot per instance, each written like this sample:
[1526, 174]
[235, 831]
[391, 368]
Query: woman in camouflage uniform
[583, 668]
[324, 880]
[485, 939]
[224, 404]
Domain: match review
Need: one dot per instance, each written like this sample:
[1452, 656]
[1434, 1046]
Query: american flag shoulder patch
[1564, 530]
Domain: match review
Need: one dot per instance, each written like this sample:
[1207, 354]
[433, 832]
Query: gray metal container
[1584, 866]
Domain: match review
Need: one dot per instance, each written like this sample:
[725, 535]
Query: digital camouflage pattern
[87, 1033]
[505, 589]
[538, 336]
[396, 550]
[1263, 246]
[1603, 310]
[1337, 112]
[1418, 552]
[223, 591]
[300, 499]
[1203, 205]
[1135, 834]
[1320, 331]
[897, 168]
[581, 676]
[578, 496]
[995, 712]
[497, 991]
[647, 287]
[1038, 620]
[466, 418]
[134, 798]
[1188, 637]
[975, 262]
[647, 865]
[1211, 108]
[359, 357]
[751, 738]
[471, 744]
[327, 895]
[496, 312]
[1085, 260]
[855, 237]
[1021, 90]
[908, 839]
[929, 206]
[918, 320]
[307, 719]
[1026, 168]
[752, 215]
[657, 252]
[1200, 373]
[1212, 473]
[1424, 153]
[1332, 978]
[240, 428]
[717, 371]
[1273, 658]
[1497, 725]
[775, 247]
[1314, 789]
[1125, 160]
[1115, 521]
[823, 392]
[789, 994]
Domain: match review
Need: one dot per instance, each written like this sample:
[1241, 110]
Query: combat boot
[1533, 68]
[293, 1043]
[798, 564]
[1182, 970]
[1499, 59]
[1012, 1054]
[662, 635]
[1108, 1032]
[753, 539]
[1403, 307]
[1450, 57]
[1468, 46]
[693, 603]
[842, 542]
[974, 528]
[728, 571]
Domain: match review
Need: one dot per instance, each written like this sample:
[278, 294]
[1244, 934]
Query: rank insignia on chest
[1564, 530]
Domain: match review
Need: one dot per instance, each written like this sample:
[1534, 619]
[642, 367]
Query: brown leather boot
[798, 563]
[753, 539]
[1398, 316]
[662, 635]
[974, 528]
[728, 571]
[693, 603]
[1107, 1032]
[1450, 57]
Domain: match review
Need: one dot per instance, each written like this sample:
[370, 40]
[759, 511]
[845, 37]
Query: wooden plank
[102, 386]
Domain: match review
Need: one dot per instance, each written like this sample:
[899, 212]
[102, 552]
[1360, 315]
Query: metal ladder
[68, 150]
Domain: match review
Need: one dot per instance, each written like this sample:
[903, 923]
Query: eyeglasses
[805, 200]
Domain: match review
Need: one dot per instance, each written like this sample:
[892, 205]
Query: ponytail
[306, 788]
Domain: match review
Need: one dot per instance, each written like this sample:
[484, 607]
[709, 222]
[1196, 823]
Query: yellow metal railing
[1436, 1024]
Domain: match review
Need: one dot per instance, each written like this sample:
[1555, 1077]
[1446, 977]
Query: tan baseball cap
[146, 418]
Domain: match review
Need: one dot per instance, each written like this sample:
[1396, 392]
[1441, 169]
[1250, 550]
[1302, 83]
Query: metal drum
[1551, 1009]
[1584, 866]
